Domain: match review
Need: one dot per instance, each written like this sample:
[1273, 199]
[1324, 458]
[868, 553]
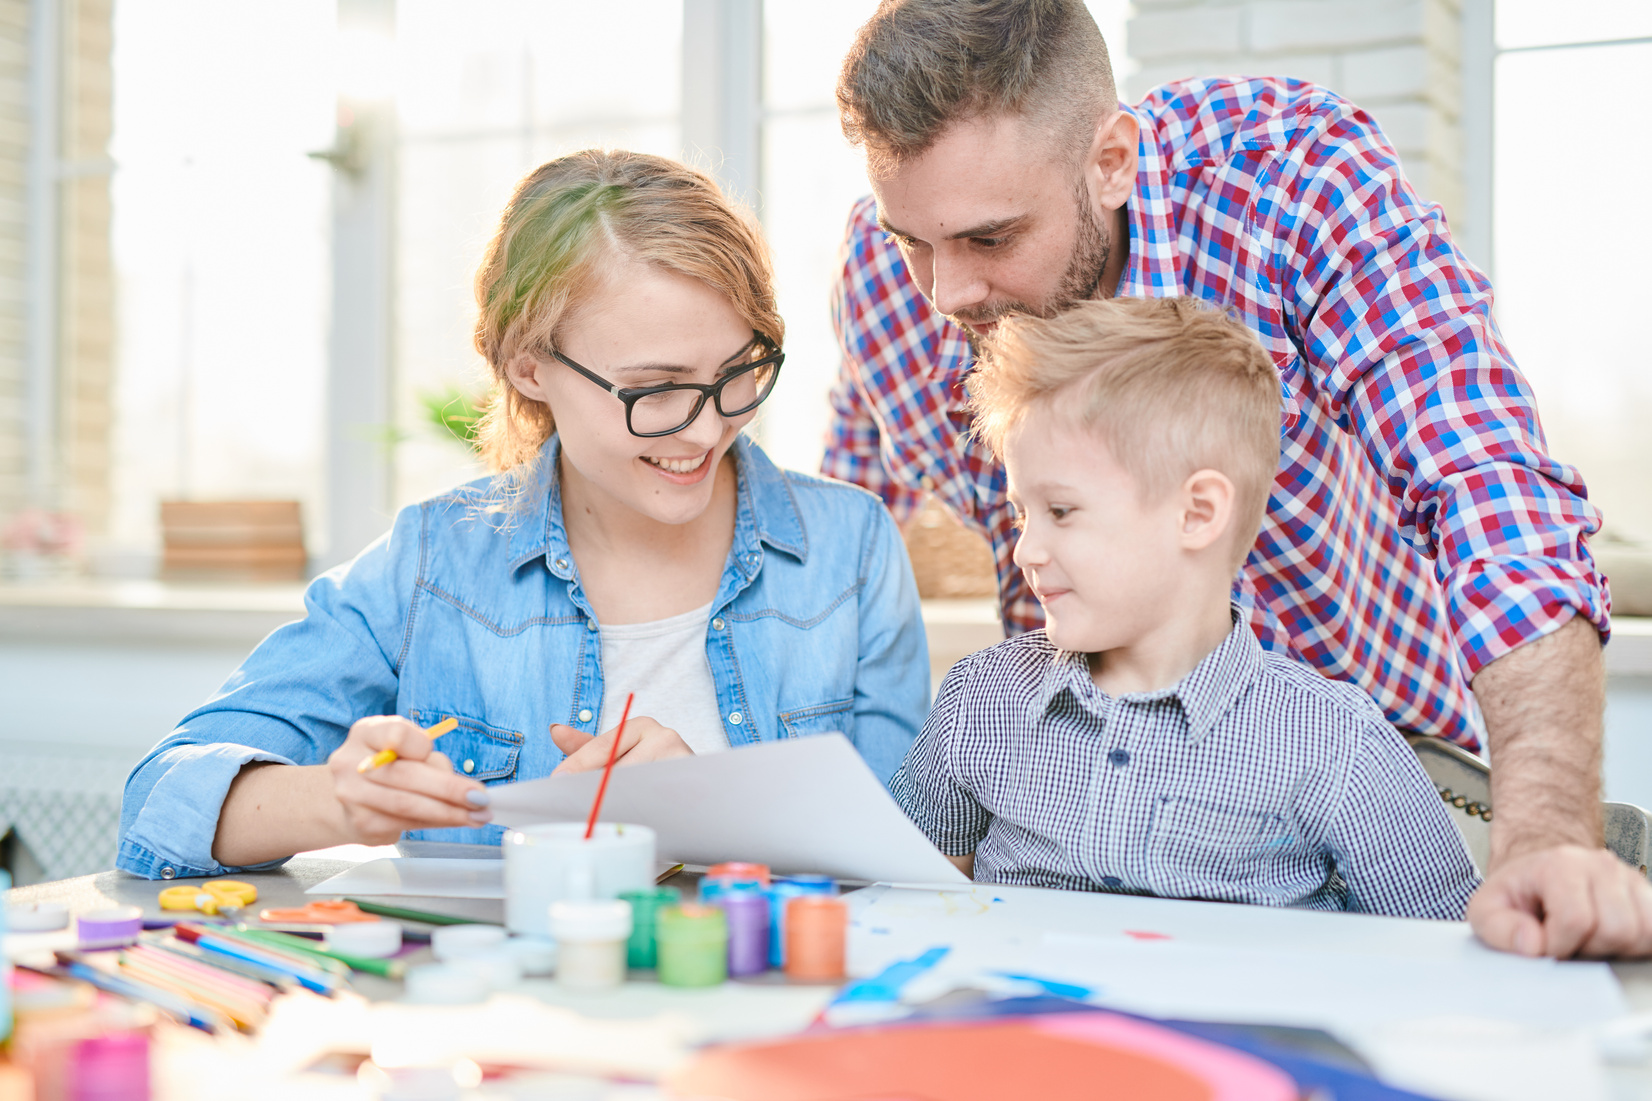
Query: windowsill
[96, 611]
[155, 611]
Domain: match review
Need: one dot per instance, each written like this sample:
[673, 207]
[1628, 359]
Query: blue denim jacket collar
[765, 513]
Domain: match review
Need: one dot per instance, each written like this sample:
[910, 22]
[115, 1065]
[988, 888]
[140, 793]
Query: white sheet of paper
[419, 877]
[1220, 962]
[804, 805]
[480, 875]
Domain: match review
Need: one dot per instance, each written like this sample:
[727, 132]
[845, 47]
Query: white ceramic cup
[553, 862]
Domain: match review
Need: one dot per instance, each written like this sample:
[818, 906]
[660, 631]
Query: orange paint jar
[817, 936]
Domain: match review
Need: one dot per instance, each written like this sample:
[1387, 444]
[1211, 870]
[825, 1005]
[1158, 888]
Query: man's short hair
[917, 66]
[1170, 385]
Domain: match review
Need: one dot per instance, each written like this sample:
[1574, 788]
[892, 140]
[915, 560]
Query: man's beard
[1092, 247]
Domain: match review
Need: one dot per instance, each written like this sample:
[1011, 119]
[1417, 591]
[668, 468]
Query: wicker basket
[949, 560]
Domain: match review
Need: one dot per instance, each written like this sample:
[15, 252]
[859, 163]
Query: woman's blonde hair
[569, 219]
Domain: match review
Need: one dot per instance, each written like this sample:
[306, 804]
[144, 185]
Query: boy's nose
[1027, 554]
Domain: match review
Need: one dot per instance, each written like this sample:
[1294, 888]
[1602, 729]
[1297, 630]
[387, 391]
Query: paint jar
[646, 904]
[445, 984]
[817, 936]
[537, 955]
[748, 929]
[591, 937]
[554, 862]
[456, 942]
[783, 891]
[5, 962]
[112, 1067]
[373, 940]
[739, 869]
[693, 945]
[500, 968]
[713, 889]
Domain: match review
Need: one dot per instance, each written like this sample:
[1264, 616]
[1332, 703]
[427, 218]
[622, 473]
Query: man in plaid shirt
[1419, 541]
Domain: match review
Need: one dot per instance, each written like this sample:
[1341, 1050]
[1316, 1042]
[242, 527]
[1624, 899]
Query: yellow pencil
[385, 756]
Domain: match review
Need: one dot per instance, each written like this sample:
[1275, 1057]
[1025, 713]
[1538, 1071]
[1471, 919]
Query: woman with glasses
[631, 541]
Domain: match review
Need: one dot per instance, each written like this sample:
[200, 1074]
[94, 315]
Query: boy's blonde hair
[570, 218]
[1170, 385]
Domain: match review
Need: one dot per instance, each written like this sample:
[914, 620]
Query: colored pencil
[278, 980]
[401, 913]
[306, 973]
[613, 755]
[389, 969]
[190, 1013]
[385, 756]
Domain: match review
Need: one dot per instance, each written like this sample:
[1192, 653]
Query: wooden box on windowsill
[232, 541]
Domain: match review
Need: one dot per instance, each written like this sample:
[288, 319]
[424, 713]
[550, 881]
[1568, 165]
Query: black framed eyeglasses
[663, 410]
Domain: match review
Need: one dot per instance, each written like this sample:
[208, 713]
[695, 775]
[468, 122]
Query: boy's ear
[1207, 509]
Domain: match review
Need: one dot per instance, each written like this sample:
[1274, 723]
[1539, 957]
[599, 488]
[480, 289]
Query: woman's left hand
[645, 740]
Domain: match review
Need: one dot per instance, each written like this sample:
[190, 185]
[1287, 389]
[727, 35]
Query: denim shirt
[472, 610]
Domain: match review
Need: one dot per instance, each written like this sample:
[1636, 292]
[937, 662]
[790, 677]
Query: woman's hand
[417, 791]
[645, 740]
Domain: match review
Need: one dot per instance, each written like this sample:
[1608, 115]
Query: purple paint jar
[748, 929]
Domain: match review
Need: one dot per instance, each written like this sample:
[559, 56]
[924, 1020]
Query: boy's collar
[1207, 693]
[765, 512]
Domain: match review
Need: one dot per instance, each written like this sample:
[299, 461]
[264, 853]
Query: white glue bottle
[590, 942]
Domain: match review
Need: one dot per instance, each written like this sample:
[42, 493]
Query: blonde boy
[1144, 742]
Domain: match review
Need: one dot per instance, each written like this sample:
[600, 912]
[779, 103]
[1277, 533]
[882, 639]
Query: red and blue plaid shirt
[1417, 530]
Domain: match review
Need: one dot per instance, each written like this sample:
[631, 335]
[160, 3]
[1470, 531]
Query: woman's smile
[687, 471]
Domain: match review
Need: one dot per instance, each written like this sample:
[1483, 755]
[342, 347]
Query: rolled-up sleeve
[291, 702]
[1397, 328]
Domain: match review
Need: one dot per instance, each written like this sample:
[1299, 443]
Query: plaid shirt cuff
[1501, 603]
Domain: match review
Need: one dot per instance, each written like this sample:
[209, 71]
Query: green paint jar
[693, 945]
[646, 903]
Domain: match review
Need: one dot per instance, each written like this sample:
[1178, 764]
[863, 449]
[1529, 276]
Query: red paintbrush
[613, 755]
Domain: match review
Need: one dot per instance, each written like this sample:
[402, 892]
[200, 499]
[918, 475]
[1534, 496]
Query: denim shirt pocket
[822, 718]
[1198, 849]
[476, 749]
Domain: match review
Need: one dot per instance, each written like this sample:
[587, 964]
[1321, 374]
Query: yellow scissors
[211, 897]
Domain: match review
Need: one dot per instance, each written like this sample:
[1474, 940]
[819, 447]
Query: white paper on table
[478, 876]
[804, 805]
[1214, 961]
[419, 877]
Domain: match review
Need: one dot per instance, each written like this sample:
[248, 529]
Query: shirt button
[590, 624]
[717, 624]
[470, 766]
[585, 714]
[1118, 758]
[735, 718]
[1111, 881]
[169, 872]
[561, 563]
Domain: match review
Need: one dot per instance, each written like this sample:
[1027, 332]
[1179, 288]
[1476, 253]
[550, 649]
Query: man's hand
[1565, 901]
[1551, 889]
[645, 740]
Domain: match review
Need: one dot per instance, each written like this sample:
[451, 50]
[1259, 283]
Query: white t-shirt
[664, 663]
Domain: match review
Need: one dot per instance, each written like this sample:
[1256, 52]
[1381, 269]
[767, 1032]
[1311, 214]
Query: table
[743, 1009]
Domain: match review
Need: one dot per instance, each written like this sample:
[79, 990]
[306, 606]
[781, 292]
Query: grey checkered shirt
[1253, 780]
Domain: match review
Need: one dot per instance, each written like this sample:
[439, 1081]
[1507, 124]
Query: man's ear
[1207, 499]
[1110, 164]
[523, 373]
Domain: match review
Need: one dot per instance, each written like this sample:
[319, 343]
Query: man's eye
[989, 242]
